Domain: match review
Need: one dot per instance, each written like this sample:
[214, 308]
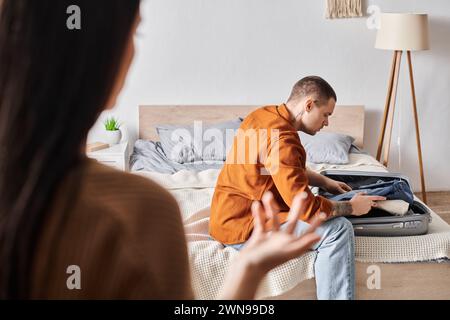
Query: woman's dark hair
[54, 82]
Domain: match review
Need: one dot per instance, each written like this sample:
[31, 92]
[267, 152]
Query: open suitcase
[379, 223]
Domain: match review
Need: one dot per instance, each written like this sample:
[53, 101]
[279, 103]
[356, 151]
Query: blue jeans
[392, 190]
[334, 267]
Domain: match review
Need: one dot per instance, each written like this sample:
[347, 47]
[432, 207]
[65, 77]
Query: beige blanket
[209, 259]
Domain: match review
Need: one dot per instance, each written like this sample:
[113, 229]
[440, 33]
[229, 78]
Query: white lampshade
[403, 31]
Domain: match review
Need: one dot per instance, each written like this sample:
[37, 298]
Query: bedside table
[115, 156]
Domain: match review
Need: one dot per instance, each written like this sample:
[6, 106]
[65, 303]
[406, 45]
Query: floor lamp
[401, 32]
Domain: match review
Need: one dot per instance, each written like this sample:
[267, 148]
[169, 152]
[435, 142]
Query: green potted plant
[113, 135]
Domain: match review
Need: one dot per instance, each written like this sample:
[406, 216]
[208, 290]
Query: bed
[409, 267]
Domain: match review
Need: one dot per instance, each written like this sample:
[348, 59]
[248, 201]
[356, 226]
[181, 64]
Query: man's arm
[325, 183]
[360, 204]
[341, 209]
[316, 179]
[290, 178]
[285, 165]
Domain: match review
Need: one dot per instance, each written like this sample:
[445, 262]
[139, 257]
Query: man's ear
[309, 104]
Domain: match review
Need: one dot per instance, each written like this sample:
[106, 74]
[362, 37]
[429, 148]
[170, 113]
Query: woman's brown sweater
[124, 232]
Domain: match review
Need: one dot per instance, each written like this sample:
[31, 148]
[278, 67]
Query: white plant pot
[113, 137]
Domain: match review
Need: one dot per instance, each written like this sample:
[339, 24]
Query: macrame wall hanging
[343, 9]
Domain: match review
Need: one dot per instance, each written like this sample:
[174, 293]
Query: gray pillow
[326, 147]
[197, 142]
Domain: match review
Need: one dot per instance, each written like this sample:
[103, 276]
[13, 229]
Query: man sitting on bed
[280, 175]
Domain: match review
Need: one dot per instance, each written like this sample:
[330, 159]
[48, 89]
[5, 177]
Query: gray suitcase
[379, 223]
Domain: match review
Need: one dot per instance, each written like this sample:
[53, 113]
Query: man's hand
[336, 187]
[362, 204]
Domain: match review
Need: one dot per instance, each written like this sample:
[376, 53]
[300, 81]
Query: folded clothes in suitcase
[379, 222]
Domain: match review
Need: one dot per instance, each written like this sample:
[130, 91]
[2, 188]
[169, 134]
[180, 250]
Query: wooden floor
[439, 202]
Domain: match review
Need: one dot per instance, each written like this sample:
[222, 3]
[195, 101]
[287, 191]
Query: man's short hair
[313, 85]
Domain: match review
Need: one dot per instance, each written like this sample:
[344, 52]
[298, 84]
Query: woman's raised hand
[267, 249]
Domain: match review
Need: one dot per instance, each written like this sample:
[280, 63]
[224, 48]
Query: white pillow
[326, 147]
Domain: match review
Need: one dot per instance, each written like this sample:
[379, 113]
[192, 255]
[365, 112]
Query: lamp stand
[388, 115]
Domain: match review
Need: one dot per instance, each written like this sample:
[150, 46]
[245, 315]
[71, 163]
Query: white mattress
[209, 259]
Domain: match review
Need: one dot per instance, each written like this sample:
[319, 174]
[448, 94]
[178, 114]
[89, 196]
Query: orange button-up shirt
[274, 161]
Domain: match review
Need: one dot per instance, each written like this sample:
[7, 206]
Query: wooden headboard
[348, 120]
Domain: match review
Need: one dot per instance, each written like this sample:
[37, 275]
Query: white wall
[252, 51]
